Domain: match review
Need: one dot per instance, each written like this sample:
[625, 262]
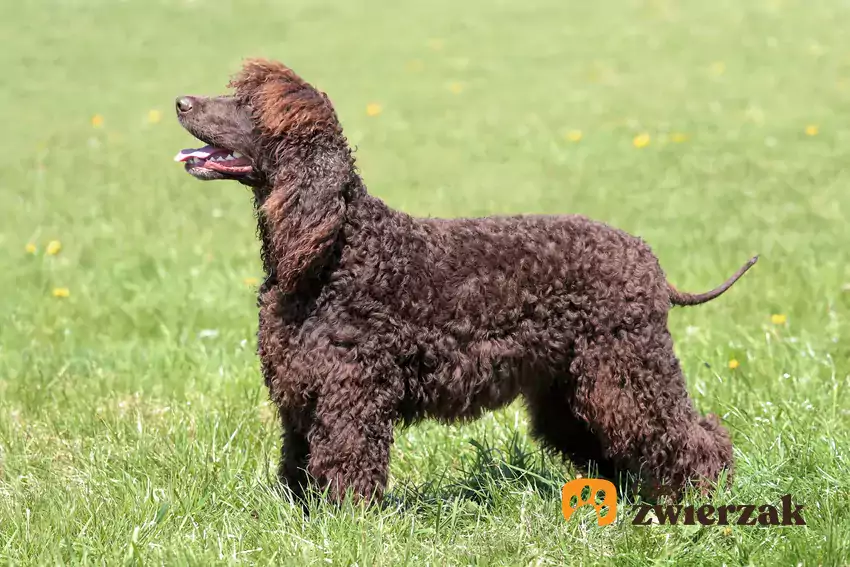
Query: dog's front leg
[353, 432]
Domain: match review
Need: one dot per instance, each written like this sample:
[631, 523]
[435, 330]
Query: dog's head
[247, 134]
[281, 136]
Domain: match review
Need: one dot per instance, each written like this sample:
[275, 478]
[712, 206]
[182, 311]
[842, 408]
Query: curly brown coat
[370, 317]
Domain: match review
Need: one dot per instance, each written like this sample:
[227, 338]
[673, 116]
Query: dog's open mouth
[201, 161]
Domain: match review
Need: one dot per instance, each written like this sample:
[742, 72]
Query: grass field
[134, 425]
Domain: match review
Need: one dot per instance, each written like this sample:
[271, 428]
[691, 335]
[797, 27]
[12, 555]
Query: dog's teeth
[236, 155]
[229, 157]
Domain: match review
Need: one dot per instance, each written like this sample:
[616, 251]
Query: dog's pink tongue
[201, 153]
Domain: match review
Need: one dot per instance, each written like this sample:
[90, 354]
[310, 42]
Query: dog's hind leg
[555, 425]
[631, 392]
[295, 451]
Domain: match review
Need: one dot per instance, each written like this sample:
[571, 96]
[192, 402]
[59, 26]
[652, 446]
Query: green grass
[134, 425]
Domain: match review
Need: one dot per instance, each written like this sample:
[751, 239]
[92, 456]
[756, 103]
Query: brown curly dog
[370, 317]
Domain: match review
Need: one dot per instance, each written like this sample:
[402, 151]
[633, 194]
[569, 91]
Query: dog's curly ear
[304, 213]
[303, 141]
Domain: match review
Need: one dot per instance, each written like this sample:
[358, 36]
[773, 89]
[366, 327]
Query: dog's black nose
[184, 103]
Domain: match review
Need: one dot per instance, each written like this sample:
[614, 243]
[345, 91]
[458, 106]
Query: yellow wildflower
[61, 292]
[456, 88]
[436, 44]
[373, 109]
[31, 248]
[97, 121]
[727, 531]
[733, 364]
[251, 281]
[641, 141]
[778, 319]
[53, 248]
[575, 135]
[754, 114]
[154, 116]
[812, 130]
[678, 137]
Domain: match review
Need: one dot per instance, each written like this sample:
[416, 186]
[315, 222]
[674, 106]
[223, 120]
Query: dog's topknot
[285, 104]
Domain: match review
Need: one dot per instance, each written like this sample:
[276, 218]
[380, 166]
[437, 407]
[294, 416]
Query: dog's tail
[680, 298]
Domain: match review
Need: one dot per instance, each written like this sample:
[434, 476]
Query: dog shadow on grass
[492, 474]
[486, 478]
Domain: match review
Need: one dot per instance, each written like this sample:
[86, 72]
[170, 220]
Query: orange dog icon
[600, 494]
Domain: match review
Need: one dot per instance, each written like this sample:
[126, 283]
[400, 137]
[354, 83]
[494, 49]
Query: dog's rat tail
[680, 298]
